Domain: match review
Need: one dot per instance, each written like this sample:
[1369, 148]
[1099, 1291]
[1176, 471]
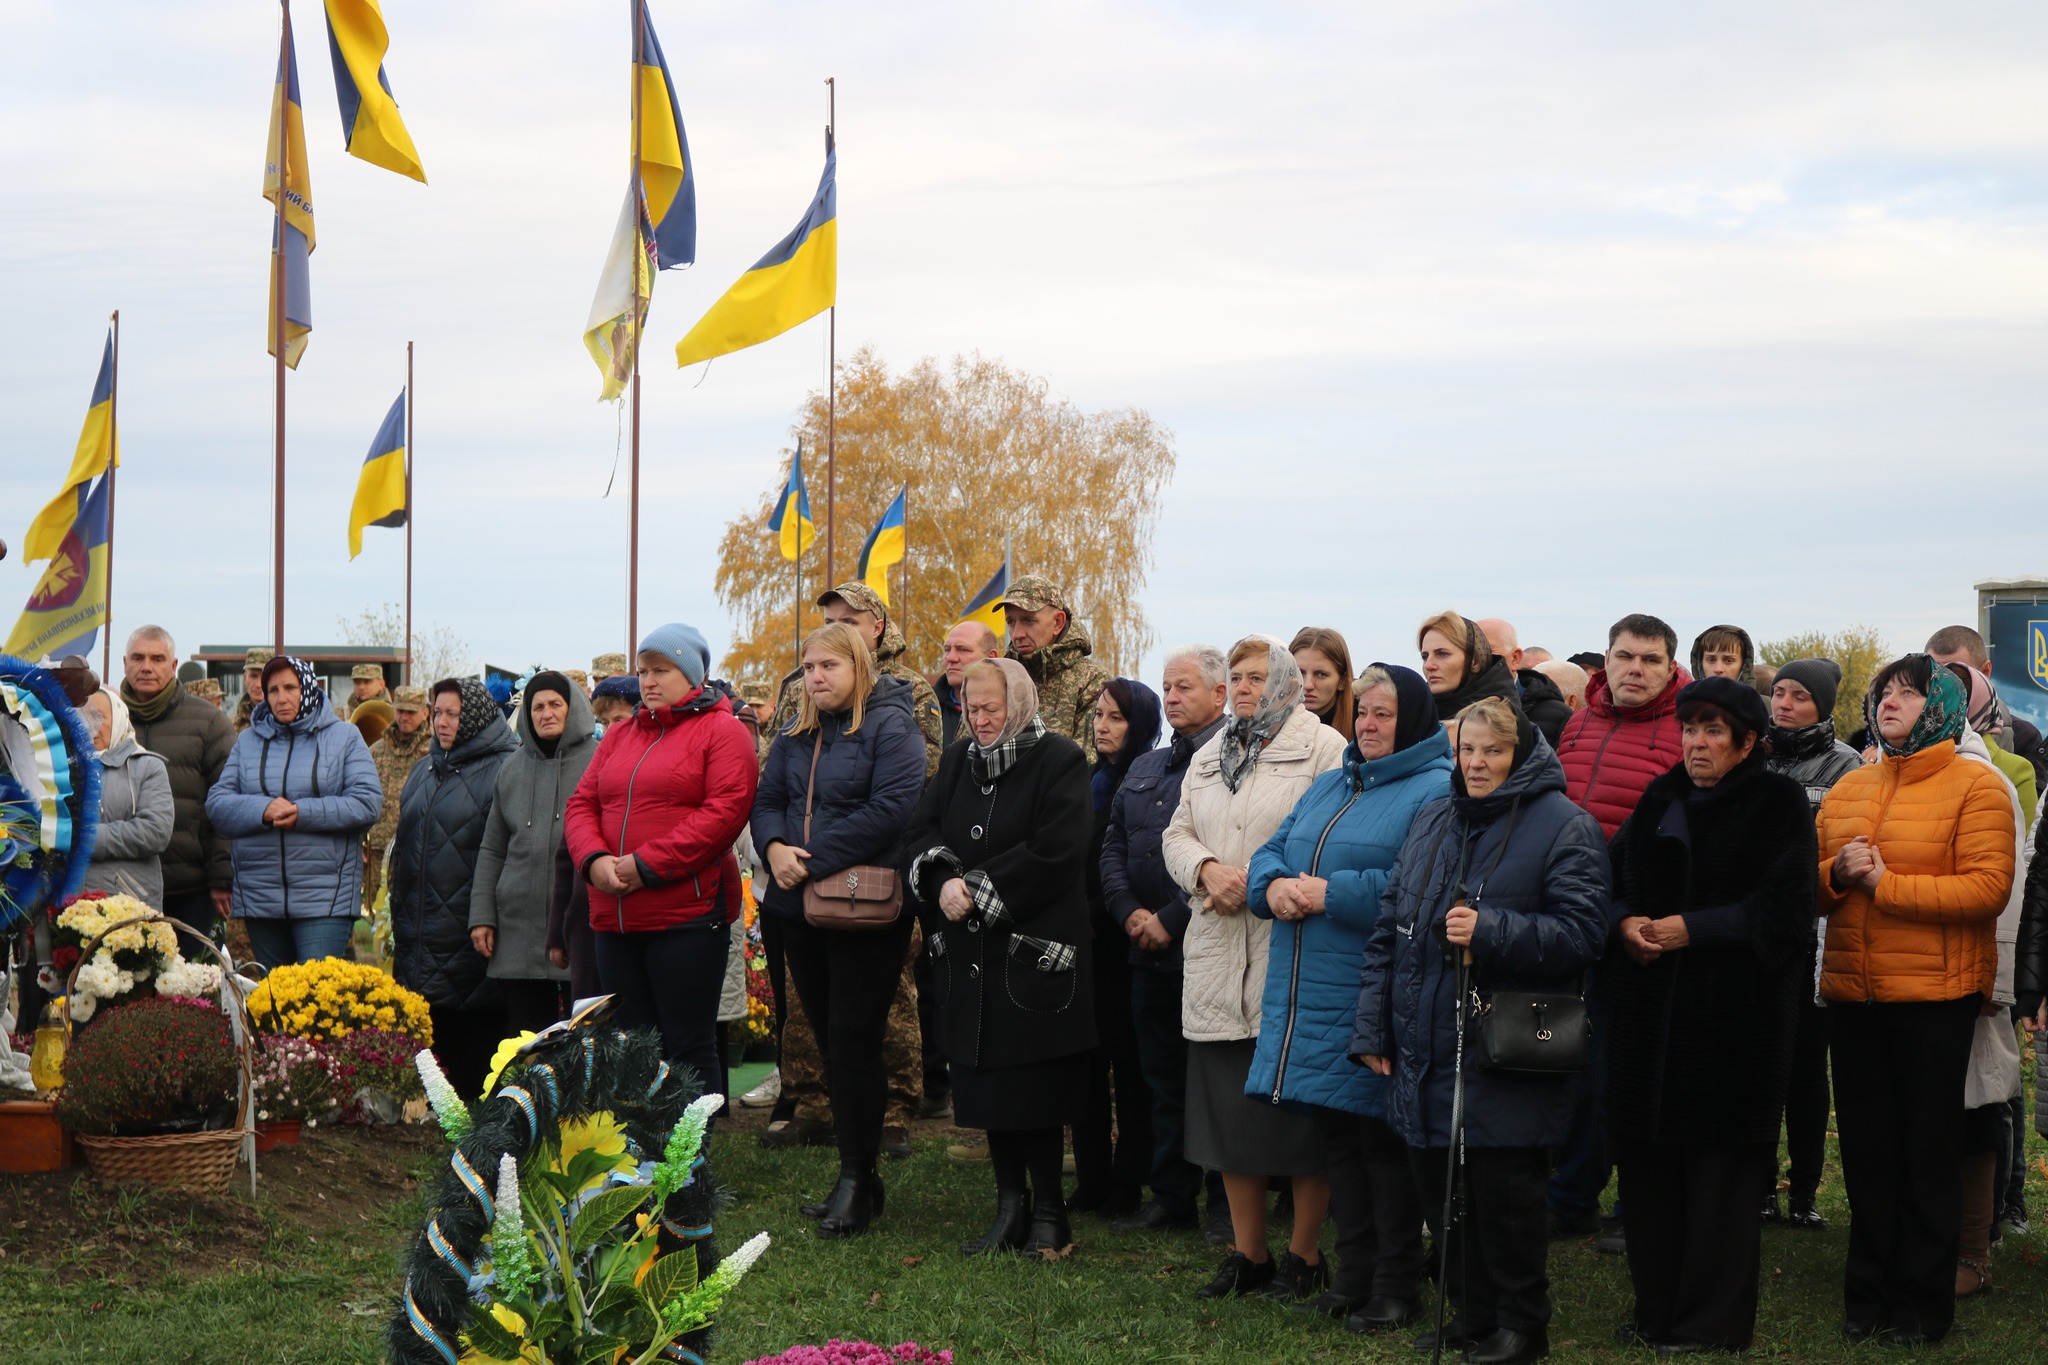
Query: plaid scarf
[991, 763]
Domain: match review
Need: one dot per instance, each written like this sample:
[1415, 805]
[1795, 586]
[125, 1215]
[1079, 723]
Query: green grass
[125, 1286]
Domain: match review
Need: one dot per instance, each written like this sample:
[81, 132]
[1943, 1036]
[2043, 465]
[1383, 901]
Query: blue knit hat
[682, 646]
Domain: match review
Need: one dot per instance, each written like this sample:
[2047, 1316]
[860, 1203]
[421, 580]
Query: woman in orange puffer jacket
[1917, 860]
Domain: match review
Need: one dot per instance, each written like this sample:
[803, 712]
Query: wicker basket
[192, 1161]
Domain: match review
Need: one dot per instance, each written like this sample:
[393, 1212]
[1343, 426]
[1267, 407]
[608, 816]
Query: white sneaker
[765, 1094]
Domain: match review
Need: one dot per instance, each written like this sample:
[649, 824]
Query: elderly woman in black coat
[1508, 871]
[996, 854]
[1713, 913]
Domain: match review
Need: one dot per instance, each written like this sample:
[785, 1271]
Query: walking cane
[1454, 1171]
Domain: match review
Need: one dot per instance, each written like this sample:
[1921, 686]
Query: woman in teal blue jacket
[1319, 879]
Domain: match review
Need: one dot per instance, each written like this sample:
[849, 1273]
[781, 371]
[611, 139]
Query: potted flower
[329, 999]
[128, 957]
[150, 1092]
[373, 1076]
[294, 1086]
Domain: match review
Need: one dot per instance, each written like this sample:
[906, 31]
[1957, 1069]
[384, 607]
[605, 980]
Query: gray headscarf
[1245, 736]
[1021, 726]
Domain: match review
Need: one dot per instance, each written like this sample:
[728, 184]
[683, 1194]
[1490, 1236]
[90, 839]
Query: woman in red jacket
[651, 828]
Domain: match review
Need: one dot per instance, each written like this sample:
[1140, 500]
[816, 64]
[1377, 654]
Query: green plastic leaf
[488, 1336]
[548, 1322]
[604, 1212]
[590, 1350]
[672, 1276]
[628, 1314]
[587, 1165]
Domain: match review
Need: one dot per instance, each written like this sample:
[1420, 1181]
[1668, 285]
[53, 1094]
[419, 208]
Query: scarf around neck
[998, 758]
[157, 707]
[1245, 737]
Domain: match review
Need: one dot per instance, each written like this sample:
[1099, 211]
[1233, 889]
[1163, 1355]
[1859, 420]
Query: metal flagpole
[113, 460]
[639, 325]
[831, 353]
[903, 579]
[409, 514]
[282, 276]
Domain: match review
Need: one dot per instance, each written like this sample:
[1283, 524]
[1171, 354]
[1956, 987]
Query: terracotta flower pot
[32, 1140]
[273, 1133]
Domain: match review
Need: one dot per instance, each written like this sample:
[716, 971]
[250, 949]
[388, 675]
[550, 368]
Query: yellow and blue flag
[69, 605]
[792, 519]
[370, 126]
[657, 227]
[98, 448]
[286, 173]
[380, 488]
[987, 605]
[885, 546]
[793, 283]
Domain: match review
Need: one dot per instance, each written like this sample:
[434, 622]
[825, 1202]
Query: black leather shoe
[896, 1144]
[1240, 1275]
[818, 1208]
[850, 1208]
[1218, 1232]
[1628, 1334]
[1805, 1217]
[1507, 1347]
[1383, 1313]
[1154, 1217]
[1771, 1212]
[1050, 1230]
[1007, 1233]
[1456, 1337]
[1295, 1279]
[797, 1133]
[1905, 1336]
[1853, 1331]
[1331, 1303]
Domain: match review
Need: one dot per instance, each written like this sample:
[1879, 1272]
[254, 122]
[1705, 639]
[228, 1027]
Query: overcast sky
[1548, 311]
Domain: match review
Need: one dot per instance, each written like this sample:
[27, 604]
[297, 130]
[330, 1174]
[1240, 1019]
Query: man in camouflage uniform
[1054, 649]
[206, 689]
[403, 745]
[754, 700]
[803, 1072]
[365, 683]
[252, 686]
[607, 666]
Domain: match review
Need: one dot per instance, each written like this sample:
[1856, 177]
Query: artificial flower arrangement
[294, 1079]
[574, 1222]
[130, 962]
[155, 1066]
[330, 999]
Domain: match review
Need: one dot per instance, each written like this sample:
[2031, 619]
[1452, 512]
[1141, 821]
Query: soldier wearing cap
[857, 604]
[403, 744]
[1054, 649]
[207, 690]
[578, 677]
[366, 683]
[607, 666]
[756, 706]
[252, 685]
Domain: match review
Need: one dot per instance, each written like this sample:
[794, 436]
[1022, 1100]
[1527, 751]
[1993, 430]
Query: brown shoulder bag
[860, 897]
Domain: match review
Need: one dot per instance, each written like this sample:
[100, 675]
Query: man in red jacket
[651, 828]
[1624, 736]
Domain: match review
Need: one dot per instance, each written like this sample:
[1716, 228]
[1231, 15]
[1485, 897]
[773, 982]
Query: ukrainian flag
[287, 173]
[657, 227]
[370, 125]
[987, 606]
[98, 448]
[796, 281]
[885, 547]
[380, 488]
[792, 519]
[69, 604]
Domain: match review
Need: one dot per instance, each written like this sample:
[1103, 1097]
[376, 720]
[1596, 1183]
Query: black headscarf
[547, 680]
[1140, 706]
[1525, 744]
[1416, 718]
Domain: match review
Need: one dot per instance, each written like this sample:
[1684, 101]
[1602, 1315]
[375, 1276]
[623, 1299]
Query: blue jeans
[284, 942]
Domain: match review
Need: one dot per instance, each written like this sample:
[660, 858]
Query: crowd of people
[1432, 949]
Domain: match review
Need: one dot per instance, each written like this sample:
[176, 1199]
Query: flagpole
[282, 277]
[831, 355]
[113, 461]
[639, 326]
[410, 514]
[903, 583]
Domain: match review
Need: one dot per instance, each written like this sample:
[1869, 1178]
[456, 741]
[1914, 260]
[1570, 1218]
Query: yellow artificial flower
[502, 1058]
[529, 1353]
[600, 1133]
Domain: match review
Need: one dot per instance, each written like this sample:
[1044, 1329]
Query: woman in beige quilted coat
[1239, 787]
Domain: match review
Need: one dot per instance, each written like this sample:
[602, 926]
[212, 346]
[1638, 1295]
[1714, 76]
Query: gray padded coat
[515, 868]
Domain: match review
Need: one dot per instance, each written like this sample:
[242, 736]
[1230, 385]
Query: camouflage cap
[257, 657]
[366, 673]
[608, 666]
[1032, 593]
[206, 689]
[409, 698]
[857, 595]
[577, 676]
[756, 693]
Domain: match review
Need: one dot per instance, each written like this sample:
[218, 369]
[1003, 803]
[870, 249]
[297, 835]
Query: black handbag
[1540, 1033]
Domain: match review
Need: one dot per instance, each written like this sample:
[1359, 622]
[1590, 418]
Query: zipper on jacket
[284, 876]
[627, 814]
[1593, 777]
[1315, 862]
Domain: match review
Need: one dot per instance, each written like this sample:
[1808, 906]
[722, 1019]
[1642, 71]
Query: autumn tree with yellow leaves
[988, 452]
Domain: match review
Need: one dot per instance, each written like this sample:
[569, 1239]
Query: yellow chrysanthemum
[502, 1058]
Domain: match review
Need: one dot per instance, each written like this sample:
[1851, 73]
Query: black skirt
[1047, 1094]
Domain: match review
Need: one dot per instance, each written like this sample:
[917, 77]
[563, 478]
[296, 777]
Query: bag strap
[811, 785]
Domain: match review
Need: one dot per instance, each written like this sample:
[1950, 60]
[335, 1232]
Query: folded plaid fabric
[1042, 953]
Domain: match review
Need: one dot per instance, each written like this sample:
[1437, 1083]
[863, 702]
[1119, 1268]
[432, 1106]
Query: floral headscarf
[1245, 736]
[479, 709]
[1944, 717]
[312, 696]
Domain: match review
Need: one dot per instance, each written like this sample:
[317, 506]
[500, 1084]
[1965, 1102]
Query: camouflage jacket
[394, 755]
[243, 710]
[1068, 684]
[924, 703]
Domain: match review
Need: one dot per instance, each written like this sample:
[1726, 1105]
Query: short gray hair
[1375, 675]
[1207, 659]
[157, 633]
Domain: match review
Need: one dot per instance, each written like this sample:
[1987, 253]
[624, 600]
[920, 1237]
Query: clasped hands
[615, 876]
[281, 814]
[1858, 864]
[1646, 939]
[1223, 886]
[786, 865]
[1296, 898]
[956, 902]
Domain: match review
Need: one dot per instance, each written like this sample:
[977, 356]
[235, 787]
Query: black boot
[850, 1207]
[818, 1208]
[1050, 1230]
[1007, 1233]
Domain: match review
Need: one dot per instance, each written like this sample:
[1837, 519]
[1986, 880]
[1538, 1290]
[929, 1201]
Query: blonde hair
[843, 640]
[1494, 714]
[1465, 636]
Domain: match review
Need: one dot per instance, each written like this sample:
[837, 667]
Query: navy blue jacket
[1347, 828]
[1134, 875]
[868, 785]
[1536, 866]
[443, 810]
[322, 765]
